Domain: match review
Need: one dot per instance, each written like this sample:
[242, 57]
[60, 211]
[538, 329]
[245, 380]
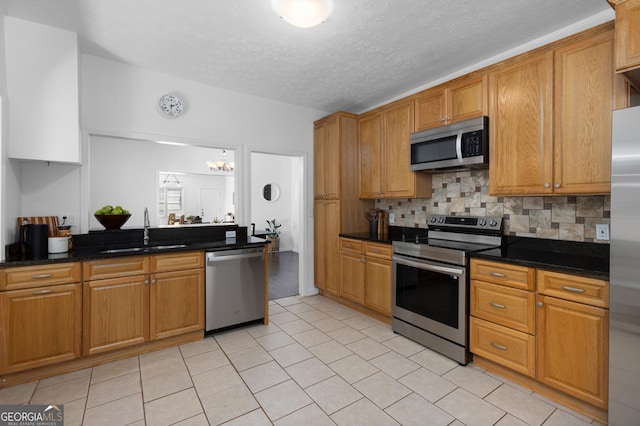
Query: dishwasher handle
[221, 256]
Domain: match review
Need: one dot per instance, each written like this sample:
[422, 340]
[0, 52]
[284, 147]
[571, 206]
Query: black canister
[34, 238]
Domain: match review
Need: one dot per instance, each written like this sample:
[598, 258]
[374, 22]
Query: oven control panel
[465, 222]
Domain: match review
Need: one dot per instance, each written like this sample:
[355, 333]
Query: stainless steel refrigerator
[624, 314]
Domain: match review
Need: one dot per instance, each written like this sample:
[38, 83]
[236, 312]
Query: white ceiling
[367, 52]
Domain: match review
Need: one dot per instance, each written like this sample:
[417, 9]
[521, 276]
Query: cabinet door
[467, 99]
[352, 276]
[584, 90]
[326, 154]
[397, 179]
[176, 303]
[40, 326]
[430, 109]
[573, 348]
[116, 313]
[326, 243]
[627, 35]
[520, 110]
[377, 295]
[370, 149]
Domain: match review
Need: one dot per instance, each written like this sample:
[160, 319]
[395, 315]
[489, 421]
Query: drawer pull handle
[498, 346]
[376, 250]
[572, 289]
[40, 276]
[497, 274]
[348, 246]
[42, 292]
[497, 305]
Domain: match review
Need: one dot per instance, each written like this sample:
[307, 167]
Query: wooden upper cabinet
[397, 178]
[628, 37]
[584, 98]
[326, 156]
[385, 154]
[456, 101]
[520, 111]
[370, 150]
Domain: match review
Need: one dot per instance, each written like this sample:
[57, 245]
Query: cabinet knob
[362, 260]
[448, 118]
[146, 281]
[153, 281]
[546, 185]
[556, 186]
[539, 304]
[443, 119]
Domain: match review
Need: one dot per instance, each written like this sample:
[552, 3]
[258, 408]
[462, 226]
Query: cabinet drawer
[177, 261]
[114, 268]
[40, 275]
[590, 291]
[353, 246]
[504, 274]
[503, 305]
[382, 251]
[513, 349]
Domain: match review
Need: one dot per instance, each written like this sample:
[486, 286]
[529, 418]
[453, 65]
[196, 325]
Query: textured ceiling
[368, 51]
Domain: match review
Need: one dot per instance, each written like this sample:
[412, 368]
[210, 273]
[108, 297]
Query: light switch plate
[602, 231]
[392, 218]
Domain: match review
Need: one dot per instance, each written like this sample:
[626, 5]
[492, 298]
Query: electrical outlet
[68, 218]
[392, 218]
[602, 231]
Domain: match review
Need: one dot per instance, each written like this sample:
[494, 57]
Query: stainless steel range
[431, 285]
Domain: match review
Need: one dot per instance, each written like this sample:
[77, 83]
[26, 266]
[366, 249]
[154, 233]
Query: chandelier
[303, 13]
[222, 165]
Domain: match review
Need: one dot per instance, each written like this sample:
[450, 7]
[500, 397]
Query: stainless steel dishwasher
[234, 288]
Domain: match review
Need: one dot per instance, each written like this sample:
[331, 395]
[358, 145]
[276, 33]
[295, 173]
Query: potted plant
[273, 235]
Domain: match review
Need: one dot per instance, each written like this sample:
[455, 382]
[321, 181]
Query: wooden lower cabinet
[40, 326]
[573, 348]
[377, 285]
[326, 250]
[143, 305]
[176, 303]
[365, 274]
[116, 313]
[560, 343]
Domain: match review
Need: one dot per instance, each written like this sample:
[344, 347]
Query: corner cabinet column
[336, 206]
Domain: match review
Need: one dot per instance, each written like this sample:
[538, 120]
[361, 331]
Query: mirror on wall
[271, 192]
[164, 177]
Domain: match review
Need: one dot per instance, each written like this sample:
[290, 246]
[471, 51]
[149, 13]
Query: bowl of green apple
[112, 217]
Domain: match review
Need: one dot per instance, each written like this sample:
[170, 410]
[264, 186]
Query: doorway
[281, 174]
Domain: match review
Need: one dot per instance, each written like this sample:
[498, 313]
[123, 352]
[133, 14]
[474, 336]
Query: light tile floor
[316, 363]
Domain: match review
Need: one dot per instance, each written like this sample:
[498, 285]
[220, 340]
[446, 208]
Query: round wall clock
[171, 105]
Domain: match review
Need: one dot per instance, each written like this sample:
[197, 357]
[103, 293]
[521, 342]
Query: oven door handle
[428, 266]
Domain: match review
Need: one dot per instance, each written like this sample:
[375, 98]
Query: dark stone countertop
[579, 258]
[396, 233]
[92, 246]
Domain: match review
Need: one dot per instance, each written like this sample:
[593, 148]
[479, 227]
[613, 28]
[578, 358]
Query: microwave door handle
[459, 146]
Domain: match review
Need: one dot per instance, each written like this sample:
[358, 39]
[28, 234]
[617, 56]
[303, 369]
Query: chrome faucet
[146, 226]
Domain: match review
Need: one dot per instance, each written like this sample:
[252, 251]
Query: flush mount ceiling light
[303, 13]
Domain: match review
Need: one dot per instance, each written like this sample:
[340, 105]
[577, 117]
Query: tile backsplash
[571, 218]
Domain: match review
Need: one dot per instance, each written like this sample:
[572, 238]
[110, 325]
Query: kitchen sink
[123, 250]
[146, 248]
[168, 247]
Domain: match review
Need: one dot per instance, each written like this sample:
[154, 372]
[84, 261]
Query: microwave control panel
[472, 144]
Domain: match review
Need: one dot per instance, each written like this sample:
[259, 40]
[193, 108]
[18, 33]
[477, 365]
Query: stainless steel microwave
[462, 145]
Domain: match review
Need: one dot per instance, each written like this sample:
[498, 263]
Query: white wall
[121, 100]
[281, 170]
